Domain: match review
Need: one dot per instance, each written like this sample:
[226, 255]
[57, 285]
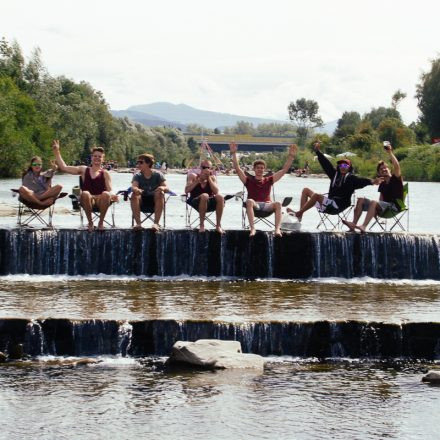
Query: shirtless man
[259, 187]
[96, 183]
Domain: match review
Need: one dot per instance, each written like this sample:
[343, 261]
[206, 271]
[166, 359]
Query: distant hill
[145, 118]
[180, 115]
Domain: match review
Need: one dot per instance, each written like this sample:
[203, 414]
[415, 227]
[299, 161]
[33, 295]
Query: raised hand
[55, 145]
[293, 149]
[233, 147]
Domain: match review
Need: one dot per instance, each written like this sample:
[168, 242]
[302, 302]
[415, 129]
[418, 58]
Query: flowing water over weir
[177, 252]
[323, 339]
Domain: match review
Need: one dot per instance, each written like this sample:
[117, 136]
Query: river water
[296, 397]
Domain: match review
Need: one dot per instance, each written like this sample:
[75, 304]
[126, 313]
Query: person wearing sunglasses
[390, 189]
[37, 186]
[343, 183]
[204, 195]
[96, 184]
[148, 187]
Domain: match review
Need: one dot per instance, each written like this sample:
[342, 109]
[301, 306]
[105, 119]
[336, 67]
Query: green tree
[397, 98]
[396, 132]
[305, 114]
[347, 125]
[377, 115]
[22, 131]
[428, 96]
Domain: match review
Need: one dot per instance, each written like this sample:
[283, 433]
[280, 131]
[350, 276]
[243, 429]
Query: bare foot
[299, 215]
[350, 225]
[219, 229]
[252, 233]
[278, 233]
[101, 226]
[155, 227]
[90, 227]
[361, 228]
[202, 228]
[137, 227]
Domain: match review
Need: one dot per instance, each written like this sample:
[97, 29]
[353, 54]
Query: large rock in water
[432, 376]
[214, 354]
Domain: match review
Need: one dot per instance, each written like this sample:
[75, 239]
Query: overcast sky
[244, 57]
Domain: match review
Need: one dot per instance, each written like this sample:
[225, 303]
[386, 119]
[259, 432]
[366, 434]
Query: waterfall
[234, 254]
[321, 339]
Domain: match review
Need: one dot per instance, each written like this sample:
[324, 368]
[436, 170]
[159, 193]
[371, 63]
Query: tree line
[36, 107]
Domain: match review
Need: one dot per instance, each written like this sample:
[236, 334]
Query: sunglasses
[35, 164]
[205, 167]
[140, 161]
[344, 165]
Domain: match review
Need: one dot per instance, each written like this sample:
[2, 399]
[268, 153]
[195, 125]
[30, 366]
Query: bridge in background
[220, 143]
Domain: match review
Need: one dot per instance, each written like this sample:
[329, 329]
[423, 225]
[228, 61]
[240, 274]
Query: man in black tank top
[204, 195]
[98, 184]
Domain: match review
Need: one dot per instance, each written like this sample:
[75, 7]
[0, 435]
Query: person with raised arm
[37, 186]
[390, 189]
[343, 183]
[148, 189]
[204, 195]
[259, 187]
[95, 182]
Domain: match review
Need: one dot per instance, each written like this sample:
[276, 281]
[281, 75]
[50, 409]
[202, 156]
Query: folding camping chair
[261, 216]
[191, 221]
[29, 212]
[147, 211]
[76, 206]
[395, 218]
[331, 222]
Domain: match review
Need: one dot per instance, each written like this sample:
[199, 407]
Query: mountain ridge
[180, 115]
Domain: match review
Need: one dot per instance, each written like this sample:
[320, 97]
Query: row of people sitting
[149, 186]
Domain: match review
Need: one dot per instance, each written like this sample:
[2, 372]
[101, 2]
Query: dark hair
[35, 158]
[259, 162]
[147, 158]
[380, 163]
[99, 149]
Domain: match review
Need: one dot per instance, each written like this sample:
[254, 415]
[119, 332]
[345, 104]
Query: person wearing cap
[343, 183]
[390, 189]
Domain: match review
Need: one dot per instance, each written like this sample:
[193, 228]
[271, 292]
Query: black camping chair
[29, 212]
[191, 221]
[331, 222]
[389, 219]
[261, 216]
[147, 211]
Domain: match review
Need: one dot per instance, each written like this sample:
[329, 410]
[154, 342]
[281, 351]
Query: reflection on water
[233, 301]
[120, 399]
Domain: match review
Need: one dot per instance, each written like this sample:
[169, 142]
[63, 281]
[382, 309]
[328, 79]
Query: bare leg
[30, 196]
[135, 202]
[277, 209]
[356, 215]
[372, 210]
[203, 205]
[103, 204]
[86, 203]
[250, 205]
[308, 200]
[219, 205]
[159, 203]
[53, 192]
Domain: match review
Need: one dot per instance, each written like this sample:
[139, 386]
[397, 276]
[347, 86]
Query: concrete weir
[185, 252]
[321, 339]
